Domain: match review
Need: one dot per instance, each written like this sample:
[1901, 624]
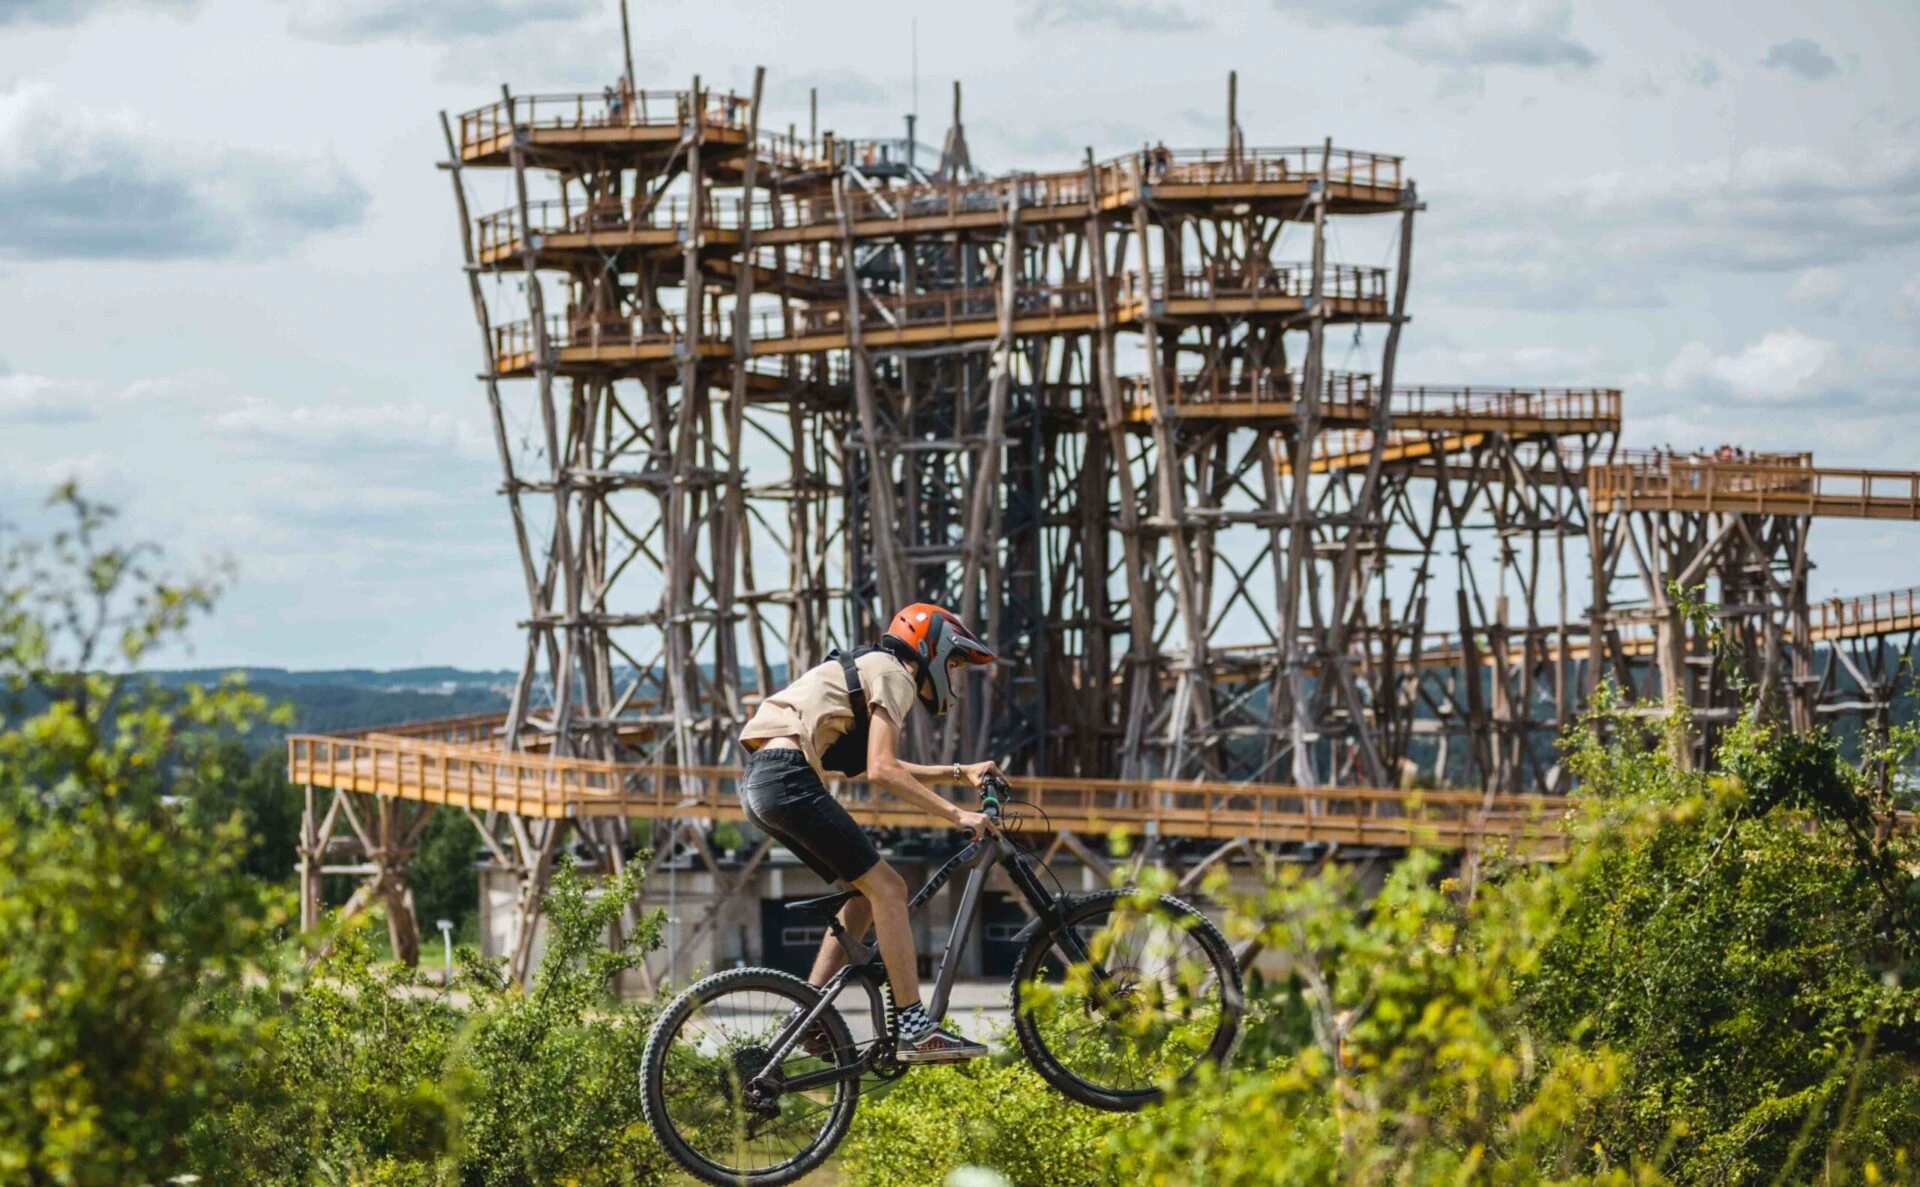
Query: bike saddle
[826, 906]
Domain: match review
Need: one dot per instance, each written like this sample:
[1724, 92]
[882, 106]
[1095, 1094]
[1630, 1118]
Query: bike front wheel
[703, 1080]
[1156, 996]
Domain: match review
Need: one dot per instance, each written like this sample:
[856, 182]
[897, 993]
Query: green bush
[1716, 986]
[992, 1112]
[370, 1077]
[1744, 939]
[1414, 1066]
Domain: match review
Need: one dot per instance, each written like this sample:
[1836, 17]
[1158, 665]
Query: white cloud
[1906, 302]
[40, 400]
[1385, 14]
[1133, 16]
[390, 426]
[1462, 33]
[1779, 367]
[1543, 365]
[1818, 288]
[56, 13]
[82, 184]
[1497, 33]
[353, 21]
[1768, 209]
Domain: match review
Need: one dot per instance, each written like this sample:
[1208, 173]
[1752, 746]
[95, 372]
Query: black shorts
[785, 799]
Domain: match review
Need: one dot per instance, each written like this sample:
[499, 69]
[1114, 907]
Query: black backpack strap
[856, 691]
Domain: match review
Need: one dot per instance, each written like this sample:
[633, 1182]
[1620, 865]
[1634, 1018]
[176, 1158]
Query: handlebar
[993, 792]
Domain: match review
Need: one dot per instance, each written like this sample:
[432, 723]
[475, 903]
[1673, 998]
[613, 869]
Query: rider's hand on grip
[993, 792]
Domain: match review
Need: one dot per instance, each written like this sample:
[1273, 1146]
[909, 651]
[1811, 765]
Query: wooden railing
[1863, 617]
[1338, 282]
[1066, 191]
[1866, 616]
[1345, 394]
[881, 312]
[976, 307]
[575, 214]
[515, 340]
[1508, 404]
[1218, 166]
[608, 109]
[537, 785]
[1765, 487]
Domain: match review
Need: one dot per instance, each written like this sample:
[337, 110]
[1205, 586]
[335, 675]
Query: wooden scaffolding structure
[752, 389]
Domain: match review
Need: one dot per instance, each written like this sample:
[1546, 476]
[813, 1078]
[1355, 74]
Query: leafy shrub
[372, 1077]
[1716, 986]
[991, 1112]
[1743, 940]
[1411, 1066]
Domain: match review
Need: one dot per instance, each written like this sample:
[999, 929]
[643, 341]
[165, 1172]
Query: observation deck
[646, 124]
[583, 344]
[1273, 181]
[1763, 485]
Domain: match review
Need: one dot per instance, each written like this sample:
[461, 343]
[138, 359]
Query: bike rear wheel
[701, 1058]
[1159, 997]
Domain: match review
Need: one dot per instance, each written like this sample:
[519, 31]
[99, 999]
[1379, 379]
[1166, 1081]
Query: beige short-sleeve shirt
[815, 708]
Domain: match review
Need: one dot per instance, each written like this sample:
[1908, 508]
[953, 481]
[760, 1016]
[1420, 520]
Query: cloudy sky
[230, 300]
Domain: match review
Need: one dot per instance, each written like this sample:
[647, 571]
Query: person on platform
[844, 717]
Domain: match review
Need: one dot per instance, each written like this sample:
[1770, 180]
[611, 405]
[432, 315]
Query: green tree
[442, 875]
[123, 919]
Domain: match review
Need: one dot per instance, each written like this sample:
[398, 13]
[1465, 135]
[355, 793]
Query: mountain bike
[751, 1075]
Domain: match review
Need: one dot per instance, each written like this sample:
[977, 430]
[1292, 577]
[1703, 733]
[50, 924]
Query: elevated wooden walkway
[1431, 422]
[583, 344]
[471, 774]
[1870, 616]
[1863, 617]
[1344, 399]
[1754, 486]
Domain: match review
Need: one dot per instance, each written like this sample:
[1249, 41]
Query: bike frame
[864, 966]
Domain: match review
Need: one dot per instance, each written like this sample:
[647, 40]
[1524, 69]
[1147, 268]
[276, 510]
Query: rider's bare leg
[886, 893]
[855, 918]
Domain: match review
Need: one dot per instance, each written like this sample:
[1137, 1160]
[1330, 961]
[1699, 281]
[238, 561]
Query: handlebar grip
[992, 792]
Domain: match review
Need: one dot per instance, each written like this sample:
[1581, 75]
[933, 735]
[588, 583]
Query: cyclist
[845, 717]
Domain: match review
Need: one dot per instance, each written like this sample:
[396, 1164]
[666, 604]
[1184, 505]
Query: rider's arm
[885, 770]
[969, 772]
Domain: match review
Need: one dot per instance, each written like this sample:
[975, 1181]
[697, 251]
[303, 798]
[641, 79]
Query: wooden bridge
[1755, 486]
[473, 775]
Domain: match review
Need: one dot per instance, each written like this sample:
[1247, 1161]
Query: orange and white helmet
[934, 637]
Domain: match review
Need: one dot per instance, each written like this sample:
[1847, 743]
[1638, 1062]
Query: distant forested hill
[354, 698]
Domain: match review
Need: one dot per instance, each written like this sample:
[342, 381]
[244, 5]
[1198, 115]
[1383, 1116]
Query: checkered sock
[914, 1023]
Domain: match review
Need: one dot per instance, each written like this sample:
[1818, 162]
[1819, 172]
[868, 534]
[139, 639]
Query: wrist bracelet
[958, 775]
